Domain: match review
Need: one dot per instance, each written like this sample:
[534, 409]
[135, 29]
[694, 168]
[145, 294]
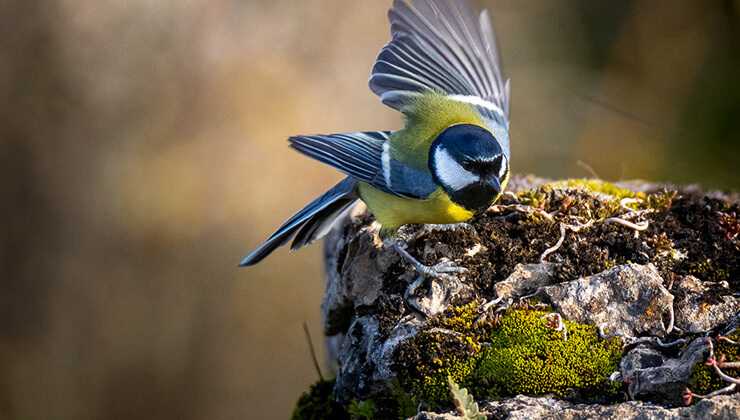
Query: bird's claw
[445, 266]
[443, 269]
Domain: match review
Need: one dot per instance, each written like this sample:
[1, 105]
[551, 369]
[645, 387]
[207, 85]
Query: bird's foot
[431, 291]
[443, 269]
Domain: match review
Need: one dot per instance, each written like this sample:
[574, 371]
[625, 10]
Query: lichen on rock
[627, 299]
[582, 290]
[715, 304]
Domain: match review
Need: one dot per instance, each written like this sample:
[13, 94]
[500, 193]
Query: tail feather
[311, 223]
[318, 226]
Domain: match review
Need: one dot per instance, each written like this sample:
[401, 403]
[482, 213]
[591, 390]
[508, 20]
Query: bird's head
[469, 163]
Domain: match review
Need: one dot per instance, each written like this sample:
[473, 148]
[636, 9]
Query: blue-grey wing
[442, 46]
[365, 156]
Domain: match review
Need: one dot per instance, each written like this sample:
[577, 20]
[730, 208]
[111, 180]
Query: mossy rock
[527, 356]
[520, 352]
[449, 347]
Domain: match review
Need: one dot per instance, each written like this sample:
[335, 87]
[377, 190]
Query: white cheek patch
[451, 173]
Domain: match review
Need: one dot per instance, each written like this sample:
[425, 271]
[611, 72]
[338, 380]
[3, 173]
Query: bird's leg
[437, 282]
[442, 269]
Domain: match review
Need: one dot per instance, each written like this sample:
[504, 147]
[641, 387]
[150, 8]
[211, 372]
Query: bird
[450, 161]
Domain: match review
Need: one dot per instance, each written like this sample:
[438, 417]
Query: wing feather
[441, 46]
[365, 156]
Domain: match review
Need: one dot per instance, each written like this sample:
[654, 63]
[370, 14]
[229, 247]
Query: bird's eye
[468, 164]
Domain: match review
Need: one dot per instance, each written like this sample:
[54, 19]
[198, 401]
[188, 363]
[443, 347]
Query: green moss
[318, 403]
[405, 403]
[660, 201]
[361, 410]
[449, 347]
[432, 387]
[599, 186]
[536, 197]
[527, 356]
[518, 353]
[704, 379]
[591, 199]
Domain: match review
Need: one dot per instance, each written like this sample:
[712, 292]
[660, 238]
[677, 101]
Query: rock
[432, 296]
[365, 356]
[640, 358]
[698, 309]
[388, 327]
[358, 273]
[649, 373]
[525, 279]
[355, 268]
[627, 300]
[528, 408]
[355, 358]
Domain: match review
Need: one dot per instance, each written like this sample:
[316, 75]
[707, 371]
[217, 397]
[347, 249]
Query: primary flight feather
[442, 70]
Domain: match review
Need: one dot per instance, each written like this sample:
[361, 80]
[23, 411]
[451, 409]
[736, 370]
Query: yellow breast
[392, 211]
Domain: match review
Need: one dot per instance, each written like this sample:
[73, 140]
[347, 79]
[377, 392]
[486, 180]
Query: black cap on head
[468, 162]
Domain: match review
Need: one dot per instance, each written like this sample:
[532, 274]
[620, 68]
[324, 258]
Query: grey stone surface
[649, 373]
[365, 356]
[355, 268]
[528, 408]
[697, 310]
[525, 279]
[628, 300]
[432, 296]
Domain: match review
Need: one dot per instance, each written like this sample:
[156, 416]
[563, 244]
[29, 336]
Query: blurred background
[144, 153]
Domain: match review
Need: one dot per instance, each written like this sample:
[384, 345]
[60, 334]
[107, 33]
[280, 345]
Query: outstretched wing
[365, 156]
[440, 45]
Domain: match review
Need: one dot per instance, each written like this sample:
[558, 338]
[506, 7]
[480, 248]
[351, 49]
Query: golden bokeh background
[143, 154]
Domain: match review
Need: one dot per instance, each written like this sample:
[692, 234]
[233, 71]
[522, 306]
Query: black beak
[478, 196]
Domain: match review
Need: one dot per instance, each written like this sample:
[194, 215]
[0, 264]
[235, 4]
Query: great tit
[442, 71]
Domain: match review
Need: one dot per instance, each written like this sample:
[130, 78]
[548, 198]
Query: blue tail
[311, 223]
